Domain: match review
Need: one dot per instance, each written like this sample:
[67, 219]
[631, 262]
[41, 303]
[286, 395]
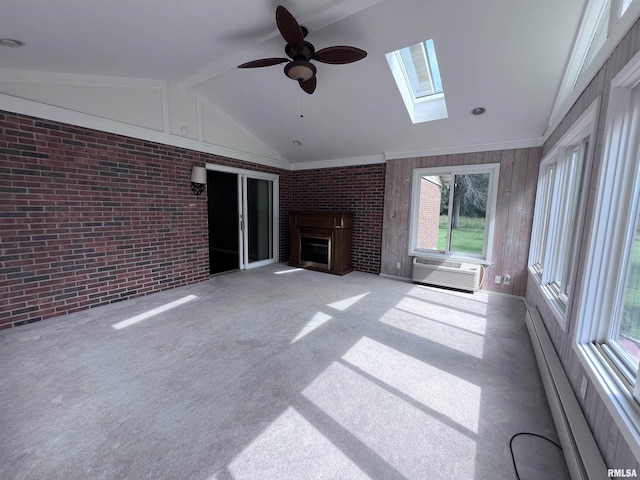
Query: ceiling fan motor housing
[304, 53]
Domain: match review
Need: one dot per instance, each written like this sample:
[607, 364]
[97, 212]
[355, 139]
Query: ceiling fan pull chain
[301, 115]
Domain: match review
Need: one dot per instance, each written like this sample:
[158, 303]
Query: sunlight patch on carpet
[451, 316]
[440, 391]
[291, 447]
[289, 270]
[342, 305]
[383, 422]
[317, 321]
[150, 313]
[443, 331]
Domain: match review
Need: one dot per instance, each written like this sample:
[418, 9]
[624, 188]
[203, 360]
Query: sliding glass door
[254, 206]
[258, 229]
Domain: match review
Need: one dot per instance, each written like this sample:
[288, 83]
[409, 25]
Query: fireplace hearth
[321, 241]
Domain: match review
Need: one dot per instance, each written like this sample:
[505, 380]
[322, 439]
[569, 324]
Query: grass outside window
[467, 238]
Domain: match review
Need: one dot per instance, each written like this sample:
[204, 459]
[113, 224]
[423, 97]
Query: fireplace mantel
[321, 241]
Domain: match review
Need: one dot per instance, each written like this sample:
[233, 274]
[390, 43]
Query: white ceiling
[506, 55]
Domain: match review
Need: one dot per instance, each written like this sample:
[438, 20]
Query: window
[453, 211]
[558, 213]
[624, 5]
[603, 25]
[415, 70]
[624, 335]
[598, 36]
[608, 313]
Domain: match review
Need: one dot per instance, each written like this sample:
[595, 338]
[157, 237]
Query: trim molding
[36, 109]
[481, 147]
[339, 162]
[58, 114]
[33, 76]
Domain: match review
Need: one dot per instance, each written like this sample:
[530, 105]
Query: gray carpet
[277, 374]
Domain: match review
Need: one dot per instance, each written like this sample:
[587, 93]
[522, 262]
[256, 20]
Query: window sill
[616, 397]
[550, 297]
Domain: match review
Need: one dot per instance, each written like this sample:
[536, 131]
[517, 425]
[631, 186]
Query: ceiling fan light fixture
[300, 70]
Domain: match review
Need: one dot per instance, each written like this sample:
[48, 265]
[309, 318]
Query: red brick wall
[89, 218]
[429, 214]
[359, 189]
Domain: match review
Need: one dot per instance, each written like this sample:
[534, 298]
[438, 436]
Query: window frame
[493, 169]
[583, 66]
[424, 108]
[602, 290]
[552, 254]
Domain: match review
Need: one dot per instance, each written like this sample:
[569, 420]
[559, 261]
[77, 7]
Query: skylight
[415, 70]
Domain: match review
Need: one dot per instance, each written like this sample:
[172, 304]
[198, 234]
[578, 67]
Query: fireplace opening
[315, 251]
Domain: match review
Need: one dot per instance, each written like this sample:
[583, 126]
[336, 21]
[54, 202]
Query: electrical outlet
[398, 265]
[498, 279]
[583, 387]
[506, 279]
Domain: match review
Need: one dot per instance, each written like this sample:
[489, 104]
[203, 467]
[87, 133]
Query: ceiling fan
[301, 52]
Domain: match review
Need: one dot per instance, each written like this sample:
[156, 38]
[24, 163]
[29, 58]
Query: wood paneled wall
[514, 213]
[613, 445]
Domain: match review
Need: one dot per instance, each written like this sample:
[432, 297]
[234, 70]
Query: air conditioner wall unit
[447, 273]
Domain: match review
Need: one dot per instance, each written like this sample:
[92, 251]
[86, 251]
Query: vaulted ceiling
[506, 55]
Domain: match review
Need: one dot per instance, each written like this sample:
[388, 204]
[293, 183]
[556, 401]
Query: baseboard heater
[446, 273]
[581, 453]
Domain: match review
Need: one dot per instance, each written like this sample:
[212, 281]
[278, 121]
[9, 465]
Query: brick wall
[429, 214]
[89, 218]
[359, 189]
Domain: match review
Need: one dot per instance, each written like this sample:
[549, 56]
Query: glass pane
[468, 216]
[629, 334]
[421, 69]
[224, 239]
[259, 219]
[598, 39]
[433, 211]
[577, 160]
[547, 210]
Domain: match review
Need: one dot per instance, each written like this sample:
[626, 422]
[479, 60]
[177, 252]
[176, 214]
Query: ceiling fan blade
[339, 55]
[263, 62]
[309, 86]
[289, 27]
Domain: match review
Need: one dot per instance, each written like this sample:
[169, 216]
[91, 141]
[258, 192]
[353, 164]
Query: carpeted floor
[277, 373]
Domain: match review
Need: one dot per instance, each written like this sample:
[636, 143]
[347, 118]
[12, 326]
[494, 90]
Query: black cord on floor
[513, 458]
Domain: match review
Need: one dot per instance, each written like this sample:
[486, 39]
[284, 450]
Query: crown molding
[31, 76]
[479, 147]
[339, 162]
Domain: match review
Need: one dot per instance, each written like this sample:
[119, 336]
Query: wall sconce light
[198, 180]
